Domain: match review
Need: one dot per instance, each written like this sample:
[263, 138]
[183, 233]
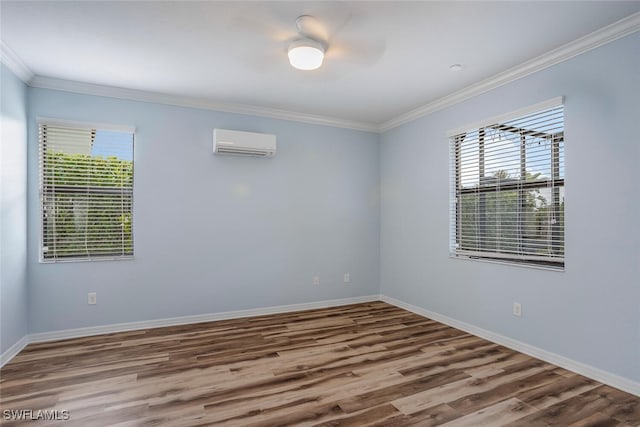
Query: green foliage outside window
[509, 227]
[87, 206]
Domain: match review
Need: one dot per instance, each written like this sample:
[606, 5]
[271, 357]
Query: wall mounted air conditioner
[237, 143]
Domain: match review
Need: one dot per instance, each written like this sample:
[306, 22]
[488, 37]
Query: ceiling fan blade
[257, 20]
[357, 52]
[310, 26]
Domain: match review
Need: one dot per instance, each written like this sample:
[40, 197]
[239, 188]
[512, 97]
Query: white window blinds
[507, 188]
[86, 190]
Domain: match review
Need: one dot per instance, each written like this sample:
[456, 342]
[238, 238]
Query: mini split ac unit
[233, 142]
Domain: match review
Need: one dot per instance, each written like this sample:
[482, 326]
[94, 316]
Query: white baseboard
[599, 375]
[199, 318]
[173, 321]
[13, 350]
[564, 362]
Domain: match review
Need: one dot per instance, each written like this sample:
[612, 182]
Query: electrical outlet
[92, 298]
[347, 278]
[316, 280]
[517, 309]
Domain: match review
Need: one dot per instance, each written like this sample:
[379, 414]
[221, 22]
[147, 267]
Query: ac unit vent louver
[237, 143]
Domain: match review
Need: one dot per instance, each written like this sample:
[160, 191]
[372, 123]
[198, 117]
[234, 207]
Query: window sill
[73, 260]
[509, 263]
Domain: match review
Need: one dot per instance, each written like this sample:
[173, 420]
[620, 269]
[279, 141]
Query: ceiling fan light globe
[306, 55]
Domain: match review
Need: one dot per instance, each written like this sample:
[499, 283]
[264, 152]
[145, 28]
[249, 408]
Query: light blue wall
[13, 207]
[590, 312]
[213, 233]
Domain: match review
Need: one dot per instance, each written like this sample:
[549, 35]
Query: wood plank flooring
[369, 364]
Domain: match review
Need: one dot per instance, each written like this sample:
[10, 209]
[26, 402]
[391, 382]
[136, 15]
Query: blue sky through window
[502, 148]
[108, 143]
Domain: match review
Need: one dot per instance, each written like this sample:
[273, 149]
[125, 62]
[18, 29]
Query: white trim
[508, 263]
[192, 102]
[540, 106]
[13, 62]
[11, 352]
[42, 260]
[173, 321]
[604, 35]
[198, 318]
[49, 121]
[621, 28]
[600, 375]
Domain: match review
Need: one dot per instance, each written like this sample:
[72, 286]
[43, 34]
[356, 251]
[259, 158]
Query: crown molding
[621, 28]
[193, 102]
[9, 58]
[604, 35]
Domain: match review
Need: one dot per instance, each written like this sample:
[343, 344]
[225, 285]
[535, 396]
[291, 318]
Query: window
[507, 188]
[86, 191]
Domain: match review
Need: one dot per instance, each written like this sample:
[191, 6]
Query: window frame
[95, 126]
[554, 183]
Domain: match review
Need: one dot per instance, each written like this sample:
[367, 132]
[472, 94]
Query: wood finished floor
[369, 364]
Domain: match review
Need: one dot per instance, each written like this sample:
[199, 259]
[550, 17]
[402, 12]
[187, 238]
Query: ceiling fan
[306, 52]
[329, 34]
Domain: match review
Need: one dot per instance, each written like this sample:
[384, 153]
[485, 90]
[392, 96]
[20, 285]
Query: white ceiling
[384, 58]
